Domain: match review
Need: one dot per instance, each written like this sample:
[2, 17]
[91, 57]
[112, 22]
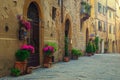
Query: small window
[110, 29]
[104, 10]
[109, 14]
[99, 7]
[99, 26]
[59, 2]
[53, 13]
[104, 27]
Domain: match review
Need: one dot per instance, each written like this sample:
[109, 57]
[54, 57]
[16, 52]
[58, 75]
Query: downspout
[115, 27]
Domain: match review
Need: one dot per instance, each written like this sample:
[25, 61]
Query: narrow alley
[97, 67]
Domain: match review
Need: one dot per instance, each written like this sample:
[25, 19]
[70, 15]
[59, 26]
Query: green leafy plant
[96, 41]
[76, 52]
[22, 55]
[53, 44]
[83, 3]
[66, 47]
[94, 48]
[15, 72]
[89, 48]
[86, 6]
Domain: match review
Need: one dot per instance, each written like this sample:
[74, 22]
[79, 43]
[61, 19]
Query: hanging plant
[23, 23]
[24, 26]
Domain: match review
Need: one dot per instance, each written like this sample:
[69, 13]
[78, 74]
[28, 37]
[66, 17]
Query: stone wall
[53, 29]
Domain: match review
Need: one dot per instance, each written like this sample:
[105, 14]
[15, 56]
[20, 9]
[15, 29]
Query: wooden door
[33, 17]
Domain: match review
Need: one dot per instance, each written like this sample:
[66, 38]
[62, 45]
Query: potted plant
[94, 48]
[21, 63]
[15, 72]
[66, 57]
[48, 50]
[76, 53]
[96, 41]
[105, 49]
[29, 48]
[89, 48]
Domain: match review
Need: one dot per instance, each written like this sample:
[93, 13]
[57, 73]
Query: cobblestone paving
[97, 67]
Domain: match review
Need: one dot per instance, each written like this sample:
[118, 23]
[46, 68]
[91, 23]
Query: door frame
[41, 24]
[68, 17]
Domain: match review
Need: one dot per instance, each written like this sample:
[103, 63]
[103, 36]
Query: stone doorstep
[35, 67]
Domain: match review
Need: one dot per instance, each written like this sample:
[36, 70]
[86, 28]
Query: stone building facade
[50, 19]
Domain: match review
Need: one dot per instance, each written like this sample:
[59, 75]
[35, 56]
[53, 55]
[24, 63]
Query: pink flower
[26, 24]
[31, 48]
[51, 48]
[45, 49]
[48, 50]
[28, 47]
[24, 46]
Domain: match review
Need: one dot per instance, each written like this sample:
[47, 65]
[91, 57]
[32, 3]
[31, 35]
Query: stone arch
[41, 23]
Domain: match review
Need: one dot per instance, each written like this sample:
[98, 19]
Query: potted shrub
[96, 41]
[29, 48]
[105, 49]
[15, 72]
[66, 57]
[21, 63]
[76, 53]
[89, 48]
[49, 50]
[94, 49]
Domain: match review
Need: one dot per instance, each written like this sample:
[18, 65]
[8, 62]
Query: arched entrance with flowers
[33, 13]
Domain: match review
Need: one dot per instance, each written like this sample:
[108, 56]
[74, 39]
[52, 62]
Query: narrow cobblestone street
[97, 67]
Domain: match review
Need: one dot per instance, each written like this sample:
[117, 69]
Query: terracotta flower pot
[74, 57]
[47, 61]
[21, 66]
[66, 59]
[47, 65]
[89, 54]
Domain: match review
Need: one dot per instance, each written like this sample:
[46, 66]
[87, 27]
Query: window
[114, 30]
[104, 10]
[109, 14]
[99, 7]
[104, 27]
[59, 2]
[99, 26]
[53, 13]
[110, 29]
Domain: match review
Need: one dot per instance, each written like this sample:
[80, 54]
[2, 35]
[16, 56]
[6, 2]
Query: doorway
[33, 16]
[67, 38]
[87, 36]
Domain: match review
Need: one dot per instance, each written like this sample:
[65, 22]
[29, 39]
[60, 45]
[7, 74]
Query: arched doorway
[67, 38]
[33, 17]
[87, 36]
[113, 46]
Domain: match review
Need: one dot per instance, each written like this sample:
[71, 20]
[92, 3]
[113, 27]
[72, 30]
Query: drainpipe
[107, 45]
[115, 27]
[95, 10]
